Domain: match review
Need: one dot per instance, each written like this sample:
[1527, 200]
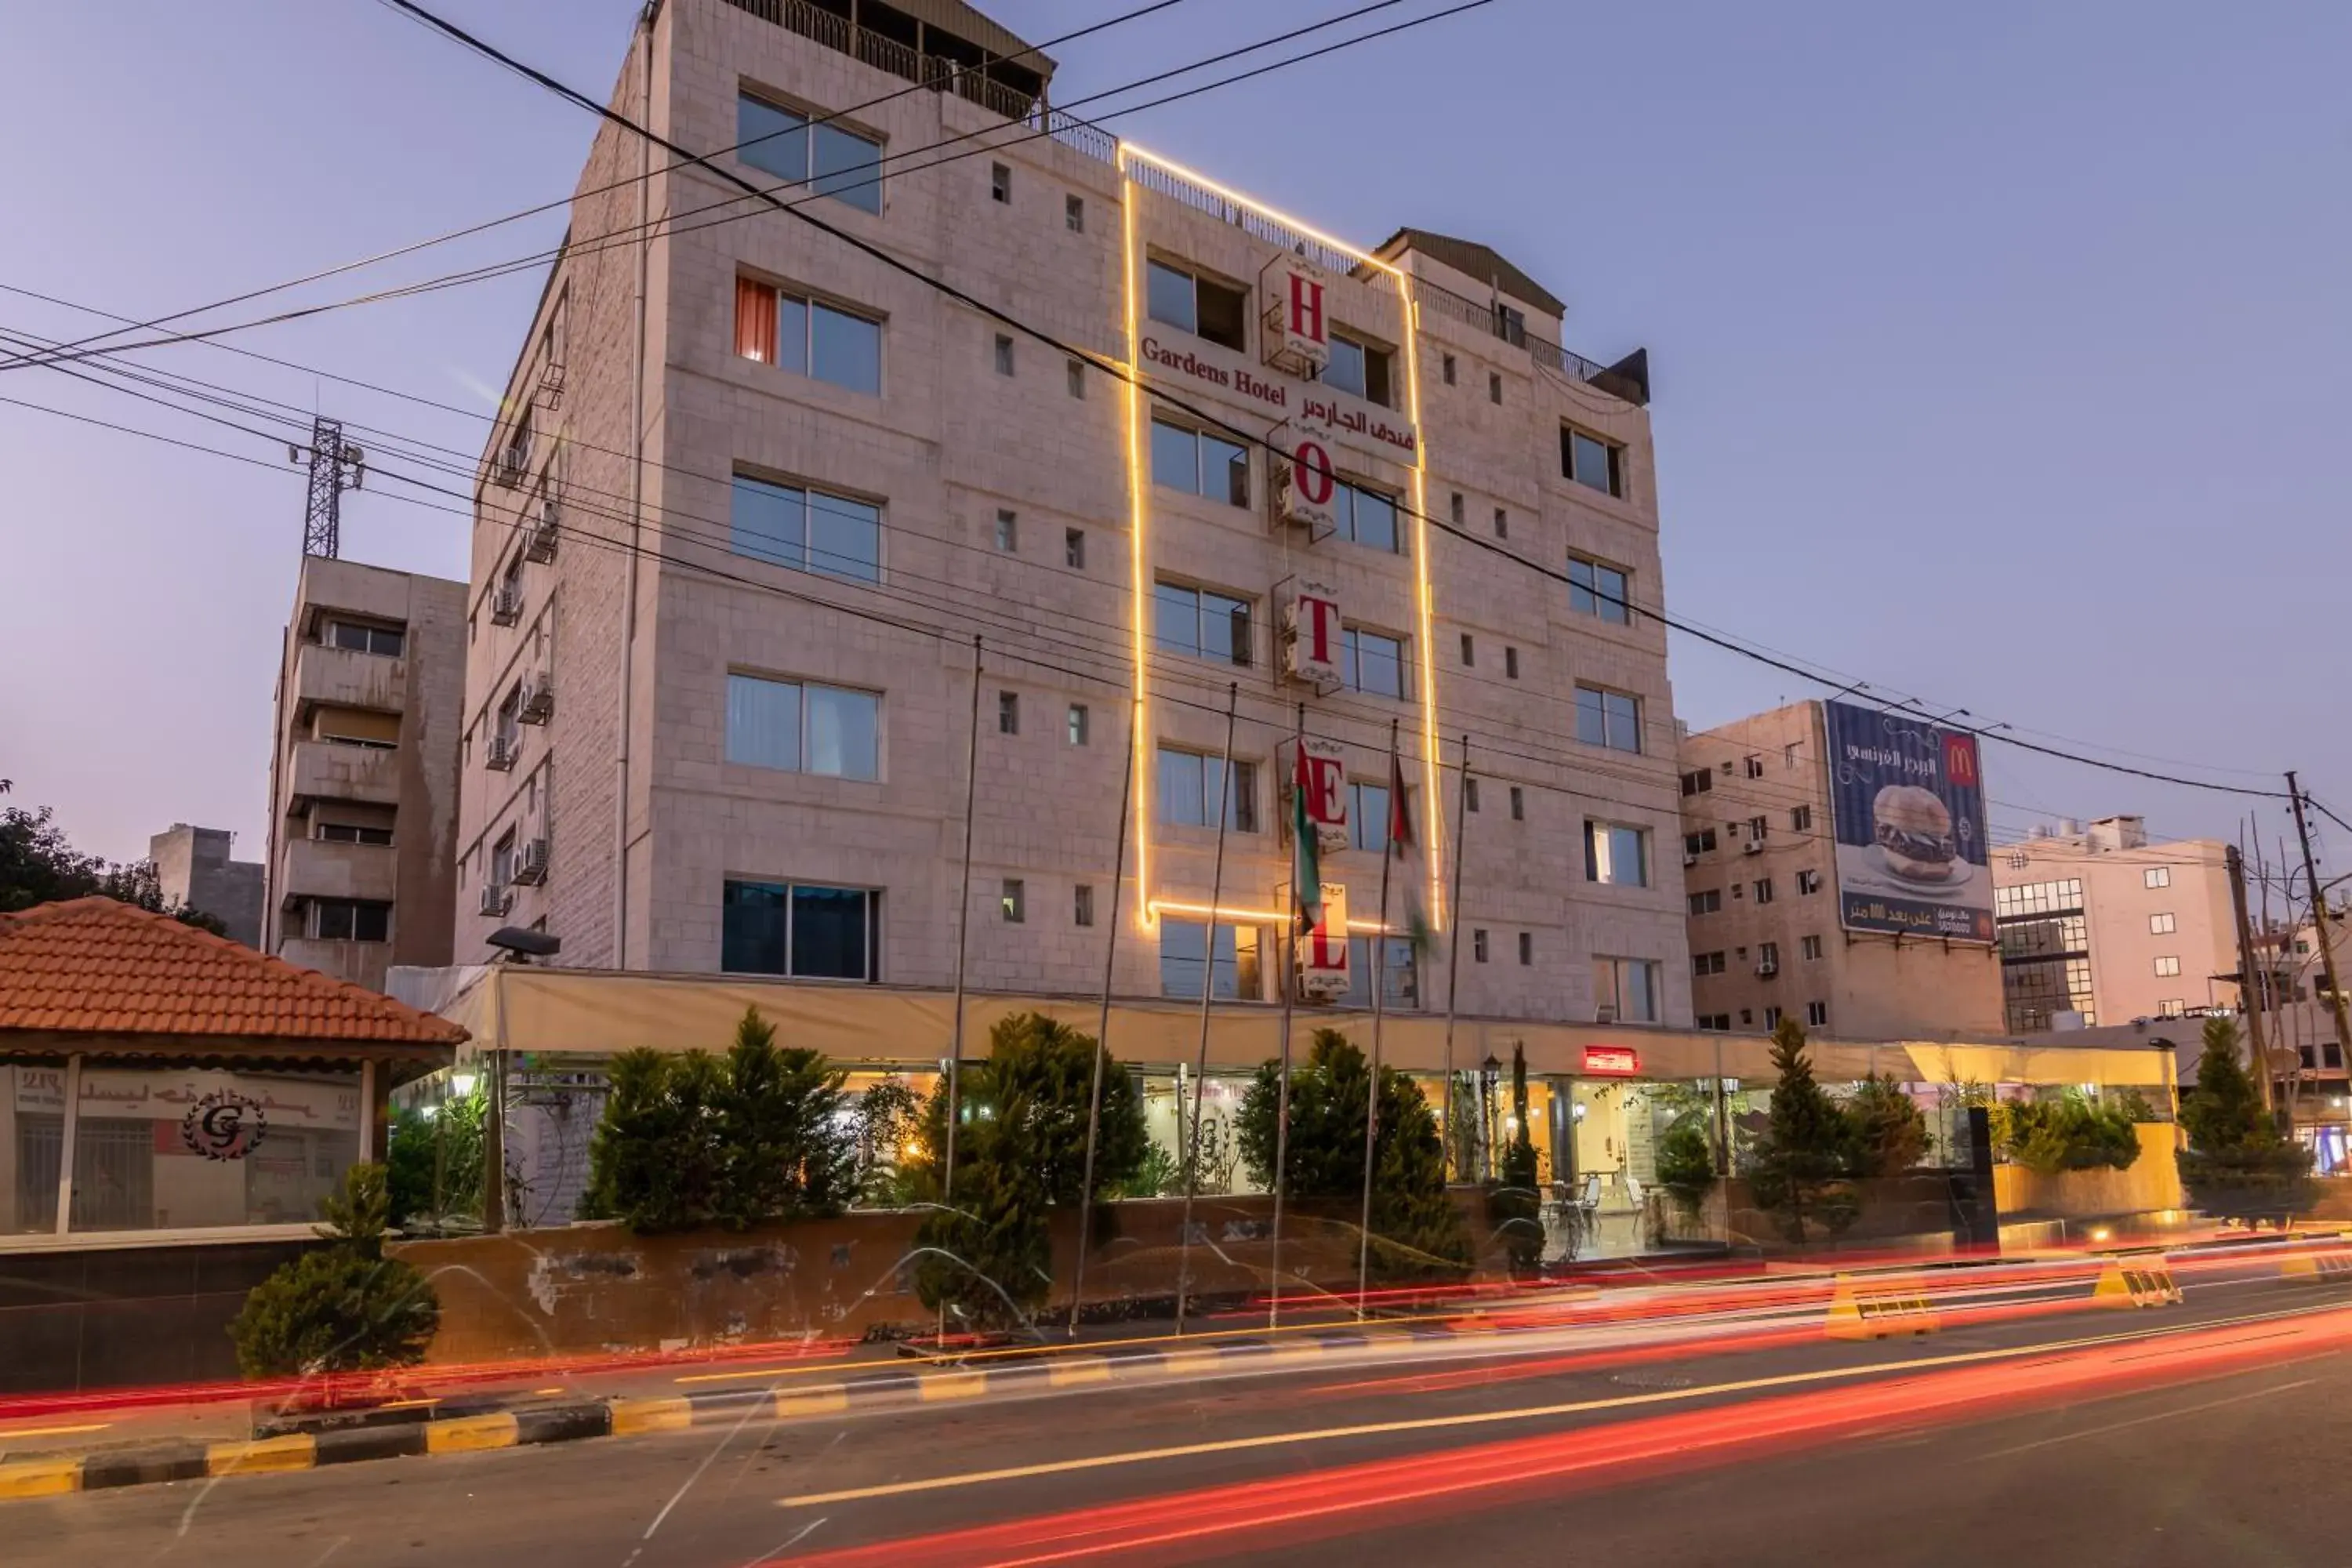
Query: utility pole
[336, 466]
[2319, 920]
[2250, 987]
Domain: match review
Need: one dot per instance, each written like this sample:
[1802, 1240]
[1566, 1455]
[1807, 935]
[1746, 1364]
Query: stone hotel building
[760, 484]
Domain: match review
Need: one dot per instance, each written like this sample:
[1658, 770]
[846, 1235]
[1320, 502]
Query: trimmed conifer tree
[1804, 1162]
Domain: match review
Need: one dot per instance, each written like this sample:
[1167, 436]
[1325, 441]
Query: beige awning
[514, 1008]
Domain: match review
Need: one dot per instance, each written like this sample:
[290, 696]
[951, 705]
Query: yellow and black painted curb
[176, 1459]
[2332, 1267]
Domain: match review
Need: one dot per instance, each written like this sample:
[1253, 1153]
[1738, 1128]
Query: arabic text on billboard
[1908, 800]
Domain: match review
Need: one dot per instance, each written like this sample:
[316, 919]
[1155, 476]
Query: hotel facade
[1015, 466]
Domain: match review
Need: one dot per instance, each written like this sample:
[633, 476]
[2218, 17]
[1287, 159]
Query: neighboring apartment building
[1767, 934]
[719, 700]
[193, 867]
[364, 772]
[2099, 927]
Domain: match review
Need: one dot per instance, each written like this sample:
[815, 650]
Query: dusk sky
[1999, 352]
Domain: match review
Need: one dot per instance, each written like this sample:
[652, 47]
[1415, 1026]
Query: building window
[1526, 947]
[1808, 883]
[1470, 795]
[807, 337]
[1768, 957]
[1493, 387]
[799, 930]
[1082, 901]
[1073, 549]
[1699, 782]
[1453, 507]
[1368, 815]
[1008, 712]
[1808, 947]
[1008, 531]
[806, 530]
[1752, 767]
[1817, 1014]
[350, 832]
[1000, 183]
[1698, 843]
[1078, 723]
[388, 641]
[1609, 719]
[1599, 591]
[1591, 462]
[2177, 1006]
[1446, 368]
[1076, 371]
[2168, 965]
[1478, 945]
[1707, 902]
[1004, 359]
[1763, 889]
[1373, 664]
[2039, 898]
[1191, 303]
[1200, 464]
[1469, 652]
[1502, 523]
[2161, 925]
[1013, 902]
[1510, 664]
[1715, 1021]
[1705, 963]
[1757, 827]
[1616, 855]
[352, 920]
[1772, 1017]
[1801, 818]
[834, 161]
[1200, 624]
[1399, 976]
[1365, 516]
[2156, 876]
[1183, 954]
[1190, 786]
[1358, 367]
[1074, 214]
[1626, 989]
[1519, 803]
[803, 727]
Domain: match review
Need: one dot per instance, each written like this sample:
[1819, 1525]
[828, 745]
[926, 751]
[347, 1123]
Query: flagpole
[1454, 942]
[1379, 986]
[1102, 1029]
[1225, 802]
[964, 927]
[1299, 820]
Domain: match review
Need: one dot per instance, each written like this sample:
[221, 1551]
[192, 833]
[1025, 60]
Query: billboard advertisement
[1906, 801]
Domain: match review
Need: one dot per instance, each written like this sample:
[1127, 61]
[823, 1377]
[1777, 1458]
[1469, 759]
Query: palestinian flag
[1306, 855]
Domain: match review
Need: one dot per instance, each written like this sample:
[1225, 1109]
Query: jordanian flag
[1401, 841]
[1306, 855]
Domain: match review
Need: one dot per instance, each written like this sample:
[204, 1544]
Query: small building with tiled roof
[159, 1081]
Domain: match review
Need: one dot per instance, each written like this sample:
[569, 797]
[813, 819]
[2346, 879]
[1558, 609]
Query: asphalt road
[2208, 1433]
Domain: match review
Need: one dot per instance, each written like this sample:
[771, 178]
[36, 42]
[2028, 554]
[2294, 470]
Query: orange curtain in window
[755, 320]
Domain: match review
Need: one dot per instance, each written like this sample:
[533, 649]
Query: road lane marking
[1494, 1417]
[54, 1431]
[2144, 1420]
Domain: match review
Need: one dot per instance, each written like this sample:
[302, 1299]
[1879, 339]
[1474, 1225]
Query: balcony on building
[330, 770]
[317, 868]
[347, 678]
[943, 45]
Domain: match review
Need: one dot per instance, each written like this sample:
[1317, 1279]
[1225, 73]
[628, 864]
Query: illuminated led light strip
[1253, 917]
[1424, 595]
[1138, 510]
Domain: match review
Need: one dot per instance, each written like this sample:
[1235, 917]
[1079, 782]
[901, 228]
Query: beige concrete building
[195, 866]
[364, 772]
[2098, 926]
[1765, 936]
[759, 487]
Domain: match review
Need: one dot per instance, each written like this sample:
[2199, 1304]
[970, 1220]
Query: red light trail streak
[1348, 1498]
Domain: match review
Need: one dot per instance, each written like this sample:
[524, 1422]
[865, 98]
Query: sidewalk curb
[178, 1459]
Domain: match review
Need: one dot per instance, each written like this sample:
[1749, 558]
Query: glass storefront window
[176, 1149]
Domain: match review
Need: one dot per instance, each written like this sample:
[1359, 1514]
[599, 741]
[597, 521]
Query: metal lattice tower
[336, 466]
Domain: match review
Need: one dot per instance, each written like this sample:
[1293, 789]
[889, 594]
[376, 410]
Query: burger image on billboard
[1913, 830]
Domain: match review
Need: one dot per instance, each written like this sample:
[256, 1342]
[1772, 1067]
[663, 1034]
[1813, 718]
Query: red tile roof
[98, 966]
